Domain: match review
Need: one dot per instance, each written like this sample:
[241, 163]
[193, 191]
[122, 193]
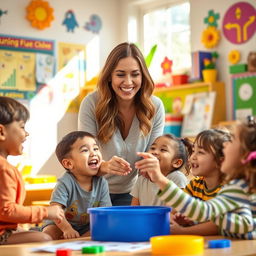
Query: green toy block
[238, 68]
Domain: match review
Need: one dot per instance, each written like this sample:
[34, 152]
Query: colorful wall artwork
[94, 24]
[244, 95]
[20, 65]
[239, 23]
[70, 21]
[71, 73]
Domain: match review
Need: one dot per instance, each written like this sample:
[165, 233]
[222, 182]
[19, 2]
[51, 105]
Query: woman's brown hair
[107, 113]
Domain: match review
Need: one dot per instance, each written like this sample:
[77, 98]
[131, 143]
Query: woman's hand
[116, 165]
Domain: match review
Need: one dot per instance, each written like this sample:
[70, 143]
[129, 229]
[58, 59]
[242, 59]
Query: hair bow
[250, 157]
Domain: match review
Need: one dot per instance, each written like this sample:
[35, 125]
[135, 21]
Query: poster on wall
[18, 62]
[71, 73]
[239, 23]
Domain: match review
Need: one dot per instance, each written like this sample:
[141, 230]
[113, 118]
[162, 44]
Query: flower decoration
[211, 63]
[166, 65]
[212, 18]
[234, 57]
[40, 14]
[210, 37]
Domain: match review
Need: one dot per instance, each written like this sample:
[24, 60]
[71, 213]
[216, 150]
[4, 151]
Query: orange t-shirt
[12, 196]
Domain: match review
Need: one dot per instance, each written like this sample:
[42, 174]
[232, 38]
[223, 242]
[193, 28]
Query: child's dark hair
[183, 150]
[11, 110]
[64, 146]
[212, 140]
[247, 138]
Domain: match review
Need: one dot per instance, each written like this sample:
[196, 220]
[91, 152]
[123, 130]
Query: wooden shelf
[168, 95]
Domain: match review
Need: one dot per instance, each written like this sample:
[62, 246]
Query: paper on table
[109, 246]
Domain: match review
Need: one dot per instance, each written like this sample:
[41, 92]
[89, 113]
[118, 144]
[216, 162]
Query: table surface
[238, 247]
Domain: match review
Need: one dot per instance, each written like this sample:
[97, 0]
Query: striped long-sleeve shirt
[233, 209]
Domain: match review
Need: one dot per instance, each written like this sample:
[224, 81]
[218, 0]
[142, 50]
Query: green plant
[149, 57]
[211, 63]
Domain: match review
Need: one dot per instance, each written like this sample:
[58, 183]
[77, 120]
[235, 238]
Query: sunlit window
[169, 28]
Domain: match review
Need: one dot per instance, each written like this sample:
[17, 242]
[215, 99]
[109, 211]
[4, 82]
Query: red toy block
[63, 252]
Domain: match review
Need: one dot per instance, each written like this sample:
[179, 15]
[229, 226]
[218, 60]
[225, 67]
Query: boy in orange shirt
[13, 116]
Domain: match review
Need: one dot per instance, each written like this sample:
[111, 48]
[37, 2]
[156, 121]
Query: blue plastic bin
[129, 223]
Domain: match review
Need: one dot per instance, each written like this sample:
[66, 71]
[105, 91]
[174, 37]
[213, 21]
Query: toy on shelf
[198, 64]
[251, 60]
[210, 71]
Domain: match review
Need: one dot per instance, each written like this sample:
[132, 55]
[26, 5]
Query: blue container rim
[130, 209]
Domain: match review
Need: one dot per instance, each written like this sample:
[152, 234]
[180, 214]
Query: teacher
[124, 116]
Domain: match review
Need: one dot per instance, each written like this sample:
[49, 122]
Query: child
[233, 209]
[79, 188]
[13, 116]
[205, 162]
[172, 155]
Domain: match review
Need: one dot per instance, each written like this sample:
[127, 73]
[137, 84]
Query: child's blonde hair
[247, 138]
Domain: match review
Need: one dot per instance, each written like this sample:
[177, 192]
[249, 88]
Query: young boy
[79, 188]
[13, 116]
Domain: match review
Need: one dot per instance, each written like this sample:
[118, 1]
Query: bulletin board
[244, 95]
[25, 65]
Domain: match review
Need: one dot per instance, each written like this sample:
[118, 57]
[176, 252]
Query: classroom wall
[198, 11]
[47, 126]
[131, 9]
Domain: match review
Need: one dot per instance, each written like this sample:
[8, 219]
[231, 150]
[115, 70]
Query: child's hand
[182, 220]
[70, 233]
[150, 165]
[176, 229]
[55, 213]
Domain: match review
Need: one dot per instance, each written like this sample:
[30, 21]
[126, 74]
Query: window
[169, 28]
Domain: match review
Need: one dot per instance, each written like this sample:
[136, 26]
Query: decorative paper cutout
[166, 65]
[210, 37]
[234, 56]
[40, 14]
[70, 21]
[94, 24]
[2, 12]
[212, 18]
[239, 23]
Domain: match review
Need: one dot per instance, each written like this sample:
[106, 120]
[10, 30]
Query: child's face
[163, 149]
[232, 155]
[15, 135]
[85, 157]
[202, 162]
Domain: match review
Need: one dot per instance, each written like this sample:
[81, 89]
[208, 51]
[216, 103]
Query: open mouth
[93, 163]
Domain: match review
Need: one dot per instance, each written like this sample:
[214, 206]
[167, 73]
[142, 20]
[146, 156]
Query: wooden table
[238, 247]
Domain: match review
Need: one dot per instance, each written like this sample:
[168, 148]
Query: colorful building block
[63, 252]
[238, 68]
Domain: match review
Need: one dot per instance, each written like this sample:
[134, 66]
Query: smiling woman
[124, 116]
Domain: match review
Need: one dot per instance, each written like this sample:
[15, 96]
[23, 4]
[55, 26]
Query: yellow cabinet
[175, 95]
